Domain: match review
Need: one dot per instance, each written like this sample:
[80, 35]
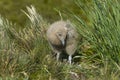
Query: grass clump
[103, 35]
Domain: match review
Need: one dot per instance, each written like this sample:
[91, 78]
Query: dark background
[11, 9]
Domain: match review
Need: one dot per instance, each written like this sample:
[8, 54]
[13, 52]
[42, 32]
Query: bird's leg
[57, 56]
[70, 59]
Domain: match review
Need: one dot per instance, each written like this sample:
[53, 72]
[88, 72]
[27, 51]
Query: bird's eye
[60, 34]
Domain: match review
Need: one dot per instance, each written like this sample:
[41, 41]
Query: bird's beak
[63, 42]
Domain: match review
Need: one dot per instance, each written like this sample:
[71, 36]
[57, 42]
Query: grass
[26, 55]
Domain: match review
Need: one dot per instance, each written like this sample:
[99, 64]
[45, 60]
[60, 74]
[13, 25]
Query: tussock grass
[26, 55]
[103, 36]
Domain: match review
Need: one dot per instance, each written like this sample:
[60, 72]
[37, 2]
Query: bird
[62, 36]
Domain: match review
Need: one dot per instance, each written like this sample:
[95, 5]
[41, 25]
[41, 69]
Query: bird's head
[62, 34]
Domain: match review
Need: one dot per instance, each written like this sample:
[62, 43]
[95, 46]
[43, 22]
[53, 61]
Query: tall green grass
[103, 34]
[26, 55]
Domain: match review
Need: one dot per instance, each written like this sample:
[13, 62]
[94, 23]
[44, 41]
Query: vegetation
[11, 9]
[26, 55]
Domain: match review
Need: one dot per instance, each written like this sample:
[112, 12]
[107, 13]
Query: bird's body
[62, 36]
